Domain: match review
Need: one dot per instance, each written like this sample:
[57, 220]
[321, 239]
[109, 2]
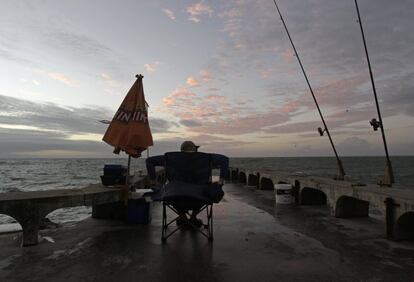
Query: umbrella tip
[139, 76]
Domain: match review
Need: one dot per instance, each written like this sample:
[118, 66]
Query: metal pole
[128, 170]
[340, 166]
[388, 179]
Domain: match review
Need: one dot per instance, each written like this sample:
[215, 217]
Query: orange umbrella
[129, 130]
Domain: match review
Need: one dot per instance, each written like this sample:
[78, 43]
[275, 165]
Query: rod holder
[388, 178]
[341, 171]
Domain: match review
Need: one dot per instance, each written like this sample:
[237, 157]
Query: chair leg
[164, 223]
[210, 222]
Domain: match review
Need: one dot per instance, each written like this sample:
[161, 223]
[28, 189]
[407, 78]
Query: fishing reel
[375, 124]
[321, 131]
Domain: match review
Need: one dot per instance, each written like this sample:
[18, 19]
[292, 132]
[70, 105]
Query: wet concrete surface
[254, 241]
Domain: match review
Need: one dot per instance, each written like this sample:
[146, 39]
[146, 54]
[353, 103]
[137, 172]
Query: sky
[220, 73]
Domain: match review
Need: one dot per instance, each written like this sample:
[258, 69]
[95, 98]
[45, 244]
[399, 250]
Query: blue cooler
[139, 211]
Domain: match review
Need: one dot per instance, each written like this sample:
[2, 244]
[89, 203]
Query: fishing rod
[320, 130]
[388, 179]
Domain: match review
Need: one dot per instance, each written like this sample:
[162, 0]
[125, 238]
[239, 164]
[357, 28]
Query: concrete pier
[254, 241]
[345, 199]
[30, 208]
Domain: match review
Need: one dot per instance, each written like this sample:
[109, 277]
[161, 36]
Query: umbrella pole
[126, 189]
[128, 170]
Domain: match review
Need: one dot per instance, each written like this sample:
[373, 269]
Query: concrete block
[351, 207]
[253, 180]
[266, 184]
[311, 196]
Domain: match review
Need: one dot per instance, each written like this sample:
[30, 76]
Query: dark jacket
[218, 162]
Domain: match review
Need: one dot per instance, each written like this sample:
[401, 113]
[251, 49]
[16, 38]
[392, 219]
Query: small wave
[17, 178]
[48, 182]
[11, 189]
[80, 177]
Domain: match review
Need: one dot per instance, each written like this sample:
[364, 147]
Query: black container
[113, 180]
[115, 169]
[114, 174]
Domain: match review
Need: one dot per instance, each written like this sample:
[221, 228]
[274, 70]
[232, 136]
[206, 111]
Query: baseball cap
[189, 146]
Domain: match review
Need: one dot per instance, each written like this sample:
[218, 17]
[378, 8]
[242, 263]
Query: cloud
[27, 144]
[106, 77]
[213, 89]
[207, 142]
[178, 97]
[215, 114]
[205, 76]
[66, 121]
[63, 78]
[30, 129]
[192, 82]
[159, 125]
[60, 77]
[47, 41]
[288, 55]
[198, 9]
[152, 67]
[190, 123]
[169, 14]
[330, 46]
[294, 127]
[76, 44]
[358, 146]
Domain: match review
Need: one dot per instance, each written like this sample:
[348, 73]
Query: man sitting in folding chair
[189, 186]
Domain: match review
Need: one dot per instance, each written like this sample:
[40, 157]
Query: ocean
[46, 174]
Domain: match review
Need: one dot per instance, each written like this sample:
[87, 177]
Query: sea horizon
[231, 157]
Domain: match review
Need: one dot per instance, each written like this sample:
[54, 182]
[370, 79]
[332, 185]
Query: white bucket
[283, 194]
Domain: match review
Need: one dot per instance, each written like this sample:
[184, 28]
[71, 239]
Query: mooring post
[390, 216]
[296, 192]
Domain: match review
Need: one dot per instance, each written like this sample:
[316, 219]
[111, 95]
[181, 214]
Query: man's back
[216, 161]
[192, 167]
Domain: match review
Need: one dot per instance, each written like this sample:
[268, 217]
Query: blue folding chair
[188, 183]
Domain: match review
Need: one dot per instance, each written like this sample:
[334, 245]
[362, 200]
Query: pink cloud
[192, 82]
[215, 114]
[205, 76]
[288, 55]
[60, 77]
[106, 76]
[291, 106]
[198, 9]
[237, 124]
[170, 14]
[151, 67]
[343, 92]
[215, 98]
[266, 73]
[178, 97]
